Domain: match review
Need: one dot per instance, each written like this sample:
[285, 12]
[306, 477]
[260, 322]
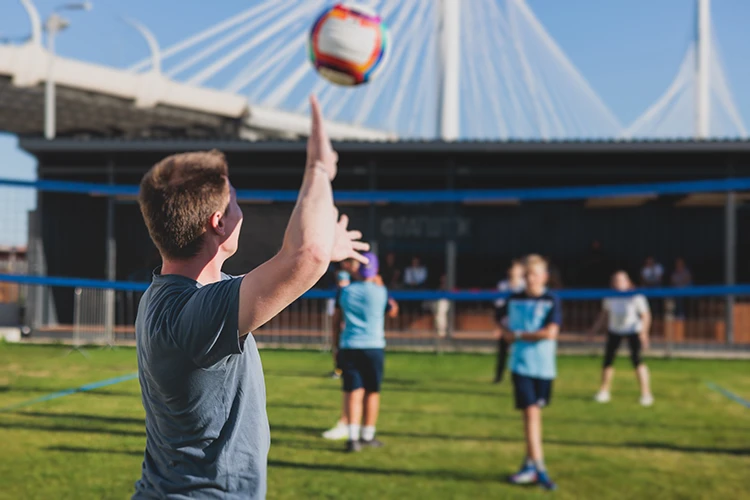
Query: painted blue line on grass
[728, 394]
[67, 392]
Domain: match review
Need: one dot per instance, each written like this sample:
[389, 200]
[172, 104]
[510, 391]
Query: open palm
[346, 244]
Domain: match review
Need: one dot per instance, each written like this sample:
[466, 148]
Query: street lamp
[54, 24]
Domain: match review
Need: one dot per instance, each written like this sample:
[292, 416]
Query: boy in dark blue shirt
[532, 325]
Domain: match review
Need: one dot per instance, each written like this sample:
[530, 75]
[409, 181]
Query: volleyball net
[78, 258]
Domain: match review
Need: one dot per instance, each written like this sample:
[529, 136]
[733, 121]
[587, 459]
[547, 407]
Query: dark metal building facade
[486, 235]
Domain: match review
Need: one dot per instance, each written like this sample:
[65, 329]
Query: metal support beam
[730, 259]
[111, 259]
[451, 251]
[372, 215]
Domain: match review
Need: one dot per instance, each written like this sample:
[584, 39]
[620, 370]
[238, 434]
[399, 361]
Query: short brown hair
[177, 197]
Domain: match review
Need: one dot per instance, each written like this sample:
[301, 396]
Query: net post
[450, 284]
[371, 209]
[730, 249]
[111, 258]
[77, 338]
[669, 326]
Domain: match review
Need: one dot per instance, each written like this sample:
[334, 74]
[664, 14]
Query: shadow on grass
[84, 417]
[372, 471]
[428, 390]
[499, 417]
[324, 376]
[519, 439]
[298, 444]
[302, 406]
[76, 430]
[78, 449]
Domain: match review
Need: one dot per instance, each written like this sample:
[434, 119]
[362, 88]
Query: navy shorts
[362, 368]
[531, 391]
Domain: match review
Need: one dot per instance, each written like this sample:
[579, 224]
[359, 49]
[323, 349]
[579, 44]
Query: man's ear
[216, 223]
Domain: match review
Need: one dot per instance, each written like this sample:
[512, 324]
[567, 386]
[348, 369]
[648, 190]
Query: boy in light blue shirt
[531, 321]
[363, 307]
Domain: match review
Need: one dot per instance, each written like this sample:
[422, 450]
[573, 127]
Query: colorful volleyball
[348, 44]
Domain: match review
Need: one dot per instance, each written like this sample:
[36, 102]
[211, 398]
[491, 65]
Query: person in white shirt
[628, 317]
[415, 276]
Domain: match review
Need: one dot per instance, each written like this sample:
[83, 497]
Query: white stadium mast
[450, 22]
[703, 70]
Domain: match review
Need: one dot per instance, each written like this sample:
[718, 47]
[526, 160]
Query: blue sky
[629, 50]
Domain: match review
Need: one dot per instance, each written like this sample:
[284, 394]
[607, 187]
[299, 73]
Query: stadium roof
[156, 145]
[101, 101]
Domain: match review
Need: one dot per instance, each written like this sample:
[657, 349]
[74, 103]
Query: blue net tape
[413, 197]
[426, 295]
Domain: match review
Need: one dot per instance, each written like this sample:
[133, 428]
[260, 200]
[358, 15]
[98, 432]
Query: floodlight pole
[55, 24]
[36, 21]
[152, 42]
[703, 70]
[451, 66]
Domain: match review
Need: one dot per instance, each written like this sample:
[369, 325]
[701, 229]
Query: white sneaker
[602, 397]
[647, 400]
[337, 433]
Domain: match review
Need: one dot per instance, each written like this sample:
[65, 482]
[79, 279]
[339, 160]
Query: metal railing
[105, 316]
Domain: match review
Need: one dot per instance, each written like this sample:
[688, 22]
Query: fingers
[360, 246]
[344, 221]
[360, 258]
[318, 134]
[317, 117]
[354, 235]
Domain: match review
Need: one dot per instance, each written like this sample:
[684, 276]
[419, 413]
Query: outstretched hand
[346, 244]
[320, 153]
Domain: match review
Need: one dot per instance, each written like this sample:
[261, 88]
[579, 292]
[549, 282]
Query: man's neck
[199, 268]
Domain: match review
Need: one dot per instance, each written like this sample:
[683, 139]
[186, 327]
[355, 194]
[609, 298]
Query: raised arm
[313, 238]
[549, 332]
[392, 309]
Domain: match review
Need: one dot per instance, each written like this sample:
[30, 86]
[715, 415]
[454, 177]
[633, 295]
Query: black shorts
[531, 391]
[338, 360]
[362, 368]
[613, 344]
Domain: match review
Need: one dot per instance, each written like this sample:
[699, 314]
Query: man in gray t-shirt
[203, 386]
[207, 433]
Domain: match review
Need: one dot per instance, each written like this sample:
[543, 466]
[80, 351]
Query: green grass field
[449, 432]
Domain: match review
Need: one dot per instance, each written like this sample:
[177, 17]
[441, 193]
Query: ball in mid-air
[348, 44]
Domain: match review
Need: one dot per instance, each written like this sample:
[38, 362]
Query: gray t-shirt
[207, 432]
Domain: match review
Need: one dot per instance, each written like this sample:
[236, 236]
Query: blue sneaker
[544, 481]
[527, 475]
